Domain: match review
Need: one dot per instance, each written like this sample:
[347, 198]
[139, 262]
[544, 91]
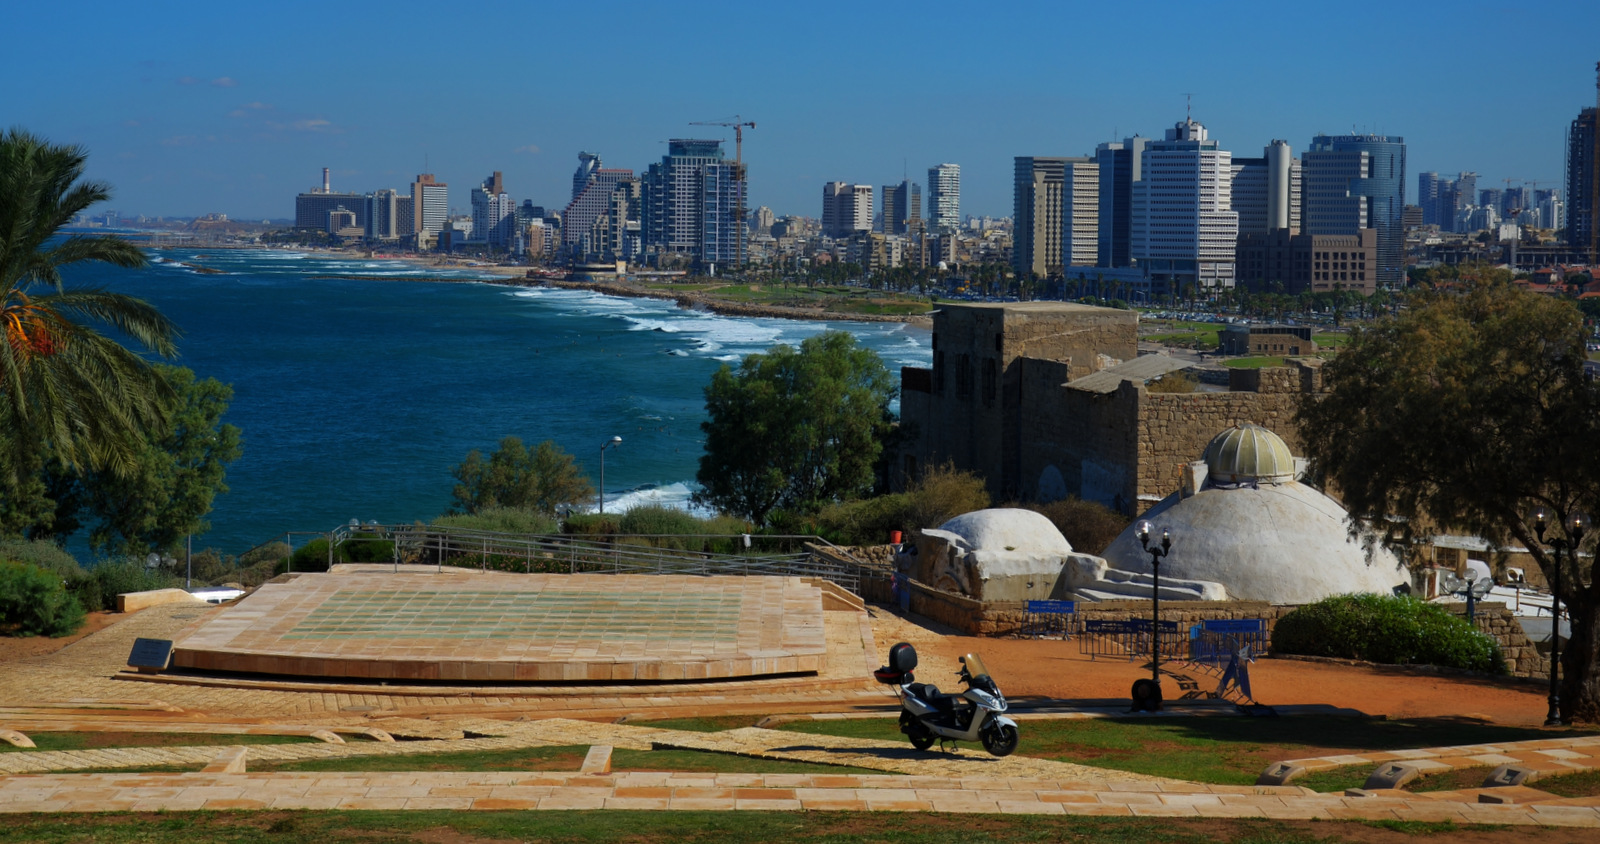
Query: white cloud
[224, 82]
[530, 149]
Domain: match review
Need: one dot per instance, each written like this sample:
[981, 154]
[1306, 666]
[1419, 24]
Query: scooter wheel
[1146, 696]
[1001, 740]
[921, 737]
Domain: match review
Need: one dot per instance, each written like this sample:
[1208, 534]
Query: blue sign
[1234, 625]
[1052, 607]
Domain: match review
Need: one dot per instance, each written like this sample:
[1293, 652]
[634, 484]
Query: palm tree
[64, 386]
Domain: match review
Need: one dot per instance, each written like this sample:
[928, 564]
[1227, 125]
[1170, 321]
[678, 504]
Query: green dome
[1248, 453]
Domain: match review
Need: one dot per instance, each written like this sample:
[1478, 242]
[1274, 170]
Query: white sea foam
[677, 496]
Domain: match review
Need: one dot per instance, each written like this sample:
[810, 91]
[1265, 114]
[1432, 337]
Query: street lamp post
[614, 441]
[1152, 700]
[1575, 527]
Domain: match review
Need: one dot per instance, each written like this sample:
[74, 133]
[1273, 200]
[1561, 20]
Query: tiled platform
[528, 628]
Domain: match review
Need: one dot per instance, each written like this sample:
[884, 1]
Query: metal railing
[700, 555]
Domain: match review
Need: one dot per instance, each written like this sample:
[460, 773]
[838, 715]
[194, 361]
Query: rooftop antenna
[1188, 107]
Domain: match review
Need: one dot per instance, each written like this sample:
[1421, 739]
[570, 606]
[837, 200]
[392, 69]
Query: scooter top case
[902, 660]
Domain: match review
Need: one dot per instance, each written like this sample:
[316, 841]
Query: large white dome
[1007, 529]
[1285, 543]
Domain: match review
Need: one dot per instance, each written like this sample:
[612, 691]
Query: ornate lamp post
[614, 441]
[1152, 700]
[1575, 527]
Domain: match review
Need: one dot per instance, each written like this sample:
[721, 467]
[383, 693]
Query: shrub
[1173, 382]
[361, 548]
[592, 525]
[1392, 629]
[42, 553]
[500, 519]
[33, 602]
[107, 579]
[941, 494]
[651, 519]
[1088, 525]
[866, 521]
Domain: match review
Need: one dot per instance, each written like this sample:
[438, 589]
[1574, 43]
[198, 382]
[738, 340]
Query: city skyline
[236, 111]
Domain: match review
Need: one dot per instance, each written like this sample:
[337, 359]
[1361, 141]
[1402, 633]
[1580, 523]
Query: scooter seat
[929, 694]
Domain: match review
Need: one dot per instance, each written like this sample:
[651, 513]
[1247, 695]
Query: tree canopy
[542, 480]
[795, 429]
[1469, 410]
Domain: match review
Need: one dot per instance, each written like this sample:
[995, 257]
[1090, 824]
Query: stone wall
[1076, 442]
[1174, 429]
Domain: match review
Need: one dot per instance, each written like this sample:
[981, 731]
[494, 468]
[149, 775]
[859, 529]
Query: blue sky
[190, 108]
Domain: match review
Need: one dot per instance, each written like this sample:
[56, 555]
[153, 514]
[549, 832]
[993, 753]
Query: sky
[194, 108]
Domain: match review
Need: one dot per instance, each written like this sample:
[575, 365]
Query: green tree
[794, 428]
[1467, 411]
[63, 384]
[177, 473]
[542, 480]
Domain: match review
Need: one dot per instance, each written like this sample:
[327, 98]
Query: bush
[98, 590]
[261, 564]
[500, 519]
[652, 519]
[592, 525]
[1088, 525]
[1391, 629]
[42, 553]
[33, 602]
[941, 494]
[1173, 382]
[866, 521]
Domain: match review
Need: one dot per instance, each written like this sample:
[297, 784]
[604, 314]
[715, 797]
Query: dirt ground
[15, 649]
[1055, 668]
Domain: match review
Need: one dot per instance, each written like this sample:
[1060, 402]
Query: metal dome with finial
[1248, 453]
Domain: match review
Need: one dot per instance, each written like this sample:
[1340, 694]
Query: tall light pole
[1151, 701]
[1575, 526]
[614, 441]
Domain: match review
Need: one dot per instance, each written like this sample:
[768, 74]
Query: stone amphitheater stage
[473, 627]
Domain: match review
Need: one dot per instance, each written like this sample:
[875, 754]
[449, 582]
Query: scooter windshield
[975, 666]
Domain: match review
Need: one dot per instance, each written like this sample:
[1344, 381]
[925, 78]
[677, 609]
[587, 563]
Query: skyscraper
[588, 165]
[944, 197]
[1184, 228]
[1036, 215]
[846, 209]
[1583, 179]
[1430, 188]
[430, 208]
[1120, 166]
[592, 201]
[493, 213]
[1266, 190]
[902, 208]
[1355, 182]
[692, 202]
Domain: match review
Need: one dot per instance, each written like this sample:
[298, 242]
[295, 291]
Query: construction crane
[737, 123]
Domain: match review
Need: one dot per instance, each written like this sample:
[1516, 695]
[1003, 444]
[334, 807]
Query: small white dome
[1248, 454]
[1008, 529]
[1285, 543]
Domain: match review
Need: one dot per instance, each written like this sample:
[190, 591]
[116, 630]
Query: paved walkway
[1542, 756]
[769, 792]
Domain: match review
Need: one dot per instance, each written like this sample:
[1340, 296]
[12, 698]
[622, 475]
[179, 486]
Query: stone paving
[1542, 756]
[737, 792]
[461, 625]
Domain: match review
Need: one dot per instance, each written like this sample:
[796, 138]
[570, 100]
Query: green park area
[834, 299]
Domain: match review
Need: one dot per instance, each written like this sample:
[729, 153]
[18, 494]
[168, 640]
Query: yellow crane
[737, 123]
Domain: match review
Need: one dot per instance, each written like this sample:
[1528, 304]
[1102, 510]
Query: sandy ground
[16, 649]
[1055, 668]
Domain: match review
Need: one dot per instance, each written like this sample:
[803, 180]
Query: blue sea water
[356, 397]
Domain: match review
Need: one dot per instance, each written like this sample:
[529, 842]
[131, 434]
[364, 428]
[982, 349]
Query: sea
[358, 390]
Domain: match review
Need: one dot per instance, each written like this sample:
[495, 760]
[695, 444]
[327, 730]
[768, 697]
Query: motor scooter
[927, 716]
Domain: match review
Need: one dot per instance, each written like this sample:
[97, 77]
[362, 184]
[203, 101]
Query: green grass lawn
[1331, 340]
[1201, 335]
[637, 826]
[1253, 363]
[97, 740]
[1229, 751]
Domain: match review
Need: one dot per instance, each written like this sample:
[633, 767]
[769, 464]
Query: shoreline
[517, 277]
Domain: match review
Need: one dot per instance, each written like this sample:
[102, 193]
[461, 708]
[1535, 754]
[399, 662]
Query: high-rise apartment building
[311, 208]
[1355, 182]
[588, 165]
[902, 208]
[1120, 166]
[1056, 214]
[944, 197]
[493, 213]
[592, 201]
[692, 203]
[1492, 198]
[384, 216]
[1266, 190]
[846, 209]
[430, 208]
[1430, 189]
[1184, 228]
[1583, 179]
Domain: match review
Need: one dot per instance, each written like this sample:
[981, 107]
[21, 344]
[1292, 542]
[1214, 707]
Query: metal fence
[703, 555]
[1129, 639]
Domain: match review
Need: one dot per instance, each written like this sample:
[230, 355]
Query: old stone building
[1046, 400]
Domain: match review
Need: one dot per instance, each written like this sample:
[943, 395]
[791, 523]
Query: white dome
[1006, 529]
[1248, 454]
[1284, 543]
